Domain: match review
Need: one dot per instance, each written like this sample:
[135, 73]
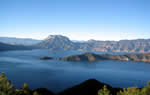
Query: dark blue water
[26, 66]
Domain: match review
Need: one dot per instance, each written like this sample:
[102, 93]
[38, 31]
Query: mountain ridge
[18, 41]
[59, 42]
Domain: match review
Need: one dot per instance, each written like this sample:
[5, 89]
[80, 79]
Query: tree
[25, 89]
[6, 88]
[35, 93]
[146, 90]
[104, 91]
[130, 91]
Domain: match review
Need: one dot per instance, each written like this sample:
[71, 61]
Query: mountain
[80, 41]
[139, 45]
[145, 57]
[58, 42]
[6, 47]
[18, 41]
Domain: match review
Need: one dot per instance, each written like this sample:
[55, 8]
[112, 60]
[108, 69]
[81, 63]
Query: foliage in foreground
[6, 88]
[104, 91]
[128, 91]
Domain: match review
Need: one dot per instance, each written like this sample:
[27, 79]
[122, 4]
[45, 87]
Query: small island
[46, 58]
[91, 57]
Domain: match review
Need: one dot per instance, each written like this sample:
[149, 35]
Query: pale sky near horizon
[76, 19]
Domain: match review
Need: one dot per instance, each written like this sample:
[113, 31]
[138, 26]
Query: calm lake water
[26, 66]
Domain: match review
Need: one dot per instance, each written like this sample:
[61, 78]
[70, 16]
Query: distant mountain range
[18, 41]
[59, 42]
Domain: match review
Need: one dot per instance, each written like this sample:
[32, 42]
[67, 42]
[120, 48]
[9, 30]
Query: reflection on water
[26, 66]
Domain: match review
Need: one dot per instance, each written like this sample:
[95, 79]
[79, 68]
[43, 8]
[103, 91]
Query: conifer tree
[35, 93]
[26, 90]
[104, 91]
[6, 88]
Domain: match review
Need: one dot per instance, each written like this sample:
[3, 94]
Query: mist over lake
[56, 75]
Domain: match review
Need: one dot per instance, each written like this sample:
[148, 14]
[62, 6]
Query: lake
[26, 67]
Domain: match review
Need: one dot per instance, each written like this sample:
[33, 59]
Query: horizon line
[70, 39]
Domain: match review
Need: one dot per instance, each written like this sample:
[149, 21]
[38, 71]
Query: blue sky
[77, 19]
